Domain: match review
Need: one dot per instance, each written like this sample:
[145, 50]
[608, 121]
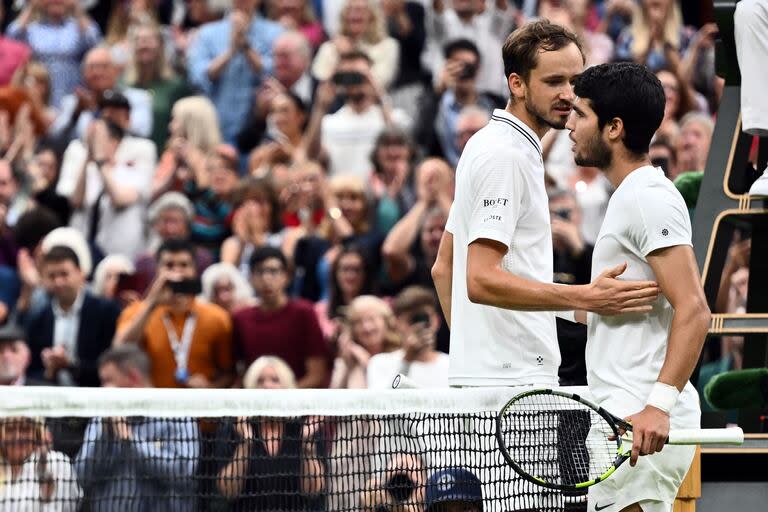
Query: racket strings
[557, 439]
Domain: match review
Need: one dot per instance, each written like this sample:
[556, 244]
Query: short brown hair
[521, 49]
[412, 299]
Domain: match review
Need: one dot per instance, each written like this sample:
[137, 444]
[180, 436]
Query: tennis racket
[561, 441]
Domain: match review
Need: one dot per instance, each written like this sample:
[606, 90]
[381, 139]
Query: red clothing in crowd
[292, 333]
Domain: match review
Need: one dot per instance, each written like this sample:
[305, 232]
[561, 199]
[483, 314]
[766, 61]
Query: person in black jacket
[572, 265]
[68, 335]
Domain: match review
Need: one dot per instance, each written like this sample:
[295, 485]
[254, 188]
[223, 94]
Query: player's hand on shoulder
[650, 429]
[607, 295]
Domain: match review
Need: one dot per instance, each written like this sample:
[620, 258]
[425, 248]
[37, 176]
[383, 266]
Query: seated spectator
[400, 486]
[149, 71]
[211, 188]
[572, 265]
[80, 108]
[12, 199]
[298, 15]
[351, 276]
[405, 22]
[59, 33]
[280, 325]
[456, 88]
[43, 174]
[656, 37]
[255, 223]
[696, 130]
[662, 154]
[193, 133]
[369, 330]
[116, 215]
[225, 286]
[271, 463]
[362, 30]
[69, 334]
[189, 342]
[36, 81]
[150, 460]
[292, 55]
[347, 136]
[33, 474]
[15, 358]
[418, 322]
[487, 26]
[123, 21]
[454, 490]
[15, 54]
[347, 222]
[392, 178]
[228, 58]
[106, 276]
[106, 178]
[170, 217]
[470, 121]
[281, 135]
[410, 248]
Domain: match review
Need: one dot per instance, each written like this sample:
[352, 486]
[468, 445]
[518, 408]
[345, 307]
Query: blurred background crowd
[218, 180]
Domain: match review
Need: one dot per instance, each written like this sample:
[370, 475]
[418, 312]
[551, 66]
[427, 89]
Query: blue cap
[453, 484]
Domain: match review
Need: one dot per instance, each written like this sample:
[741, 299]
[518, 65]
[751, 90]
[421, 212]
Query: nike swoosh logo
[598, 508]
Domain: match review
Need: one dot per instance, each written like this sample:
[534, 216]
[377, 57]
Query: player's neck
[622, 165]
[518, 110]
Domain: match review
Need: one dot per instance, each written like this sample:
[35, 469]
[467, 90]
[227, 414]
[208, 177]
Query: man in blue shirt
[230, 58]
[136, 464]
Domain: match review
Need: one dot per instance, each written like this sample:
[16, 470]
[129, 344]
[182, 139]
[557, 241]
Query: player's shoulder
[651, 189]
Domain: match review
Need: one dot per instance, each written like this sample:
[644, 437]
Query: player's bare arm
[442, 274]
[678, 277]
[489, 284]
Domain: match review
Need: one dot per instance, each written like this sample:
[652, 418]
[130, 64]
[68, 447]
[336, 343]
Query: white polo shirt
[500, 195]
[625, 353]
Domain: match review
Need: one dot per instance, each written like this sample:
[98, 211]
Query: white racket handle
[403, 382]
[733, 436]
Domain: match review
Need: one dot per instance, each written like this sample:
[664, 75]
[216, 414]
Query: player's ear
[516, 86]
[614, 129]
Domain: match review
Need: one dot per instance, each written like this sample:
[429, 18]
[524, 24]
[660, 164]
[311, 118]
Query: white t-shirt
[500, 195]
[382, 369]
[349, 138]
[625, 353]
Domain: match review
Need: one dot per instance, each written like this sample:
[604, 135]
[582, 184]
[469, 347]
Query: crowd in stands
[216, 182]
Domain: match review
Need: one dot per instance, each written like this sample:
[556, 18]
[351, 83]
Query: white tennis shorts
[653, 482]
[751, 21]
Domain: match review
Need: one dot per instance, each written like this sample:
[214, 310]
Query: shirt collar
[74, 310]
[502, 116]
[639, 173]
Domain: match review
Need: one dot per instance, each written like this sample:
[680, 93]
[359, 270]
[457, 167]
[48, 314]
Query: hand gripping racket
[561, 441]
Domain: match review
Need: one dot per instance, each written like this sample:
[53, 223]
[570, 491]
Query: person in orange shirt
[189, 342]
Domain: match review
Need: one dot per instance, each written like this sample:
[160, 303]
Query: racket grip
[733, 436]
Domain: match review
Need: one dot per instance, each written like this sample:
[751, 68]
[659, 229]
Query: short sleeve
[661, 220]
[496, 199]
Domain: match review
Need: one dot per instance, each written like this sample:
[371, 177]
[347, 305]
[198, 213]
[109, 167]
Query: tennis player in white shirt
[638, 365]
[493, 273]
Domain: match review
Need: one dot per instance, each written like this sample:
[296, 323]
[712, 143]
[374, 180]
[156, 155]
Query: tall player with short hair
[494, 269]
[617, 110]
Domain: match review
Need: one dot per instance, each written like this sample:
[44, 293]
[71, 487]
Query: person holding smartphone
[417, 320]
[189, 342]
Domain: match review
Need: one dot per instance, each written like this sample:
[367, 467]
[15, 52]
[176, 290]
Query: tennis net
[97, 449]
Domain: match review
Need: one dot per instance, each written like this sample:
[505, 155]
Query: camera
[400, 487]
[348, 78]
[468, 71]
[563, 213]
[186, 286]
[419, 318]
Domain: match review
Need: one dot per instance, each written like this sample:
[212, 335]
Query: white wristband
[566, 315]
[663, 396]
